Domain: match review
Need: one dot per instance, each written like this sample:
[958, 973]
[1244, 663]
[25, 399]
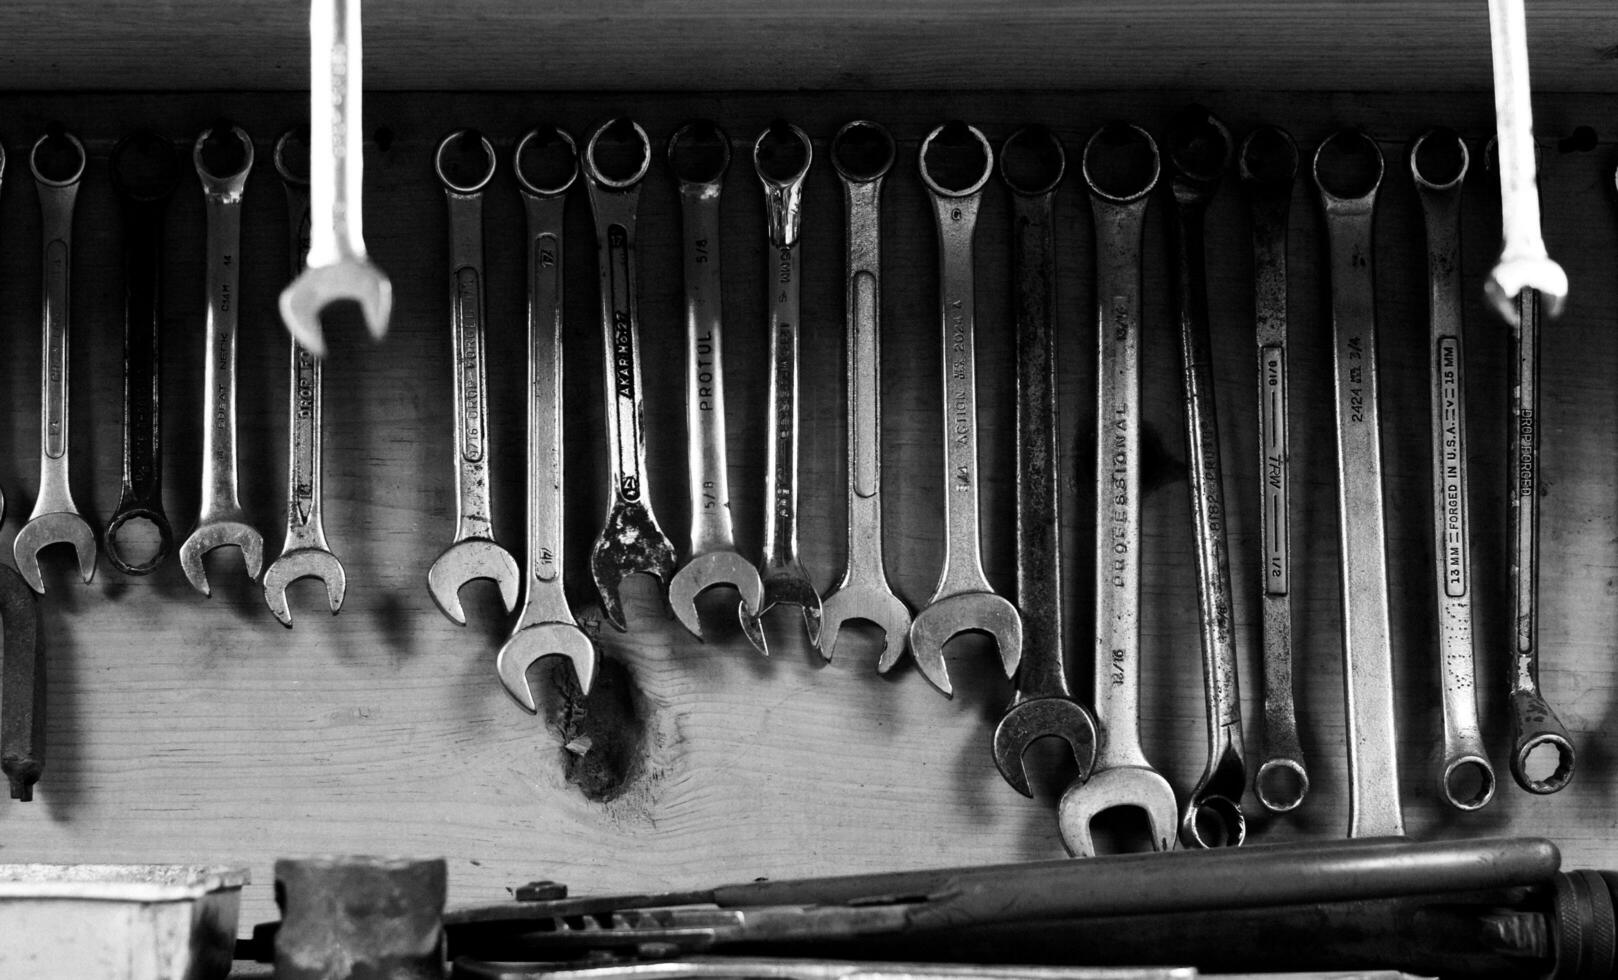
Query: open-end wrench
[545, 626]
[55, 519]
[1524, 263]
[1268, 164]
[337, 267]
[474, 554]
[305, 553]
[1438, 165]
[699, 155]
[862, 152]
[146, 169]
[1199, 152]
[963, 600]
[222, 521]
[1348, 170]
[22, 686]
[1121, 167]
[781, 158]
[631, 540]
[1032, 164]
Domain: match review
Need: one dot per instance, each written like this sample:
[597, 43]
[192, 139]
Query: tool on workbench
[545, 626]
[474, 554]
[145, 170]
[956, 161]
[360, 918]
[22, 686]
[698, 156]
[787, 968]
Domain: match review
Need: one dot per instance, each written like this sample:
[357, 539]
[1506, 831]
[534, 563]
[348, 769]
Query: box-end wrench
[305, 554]
[631, 540]
[55, 519]
[699, 155]
[1348, 171]
[781, 158]
[1438, 165]
[337, 266]
[145, 169]
[963, 601]
[474, 554]
[1268, 164]
[1032, 164]
[1199, 153]
[862, 152]
[545, 627]
[1121, 167]
[22, 686]
[222, 521]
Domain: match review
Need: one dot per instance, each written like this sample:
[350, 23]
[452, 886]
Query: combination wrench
[1121, 167]
[862, 153]
[145, 169]
[781, 158]
[631, 540]
[305, 554]
[474, 554]
[699, 155]
[1348, 171]
[963, 600]
[222, 521]
[545, 627]
[1438, 165]
[1267, 162]
[1032, 164]
[55, 518]
[337, 267]
[22, 686]
[1199, 154]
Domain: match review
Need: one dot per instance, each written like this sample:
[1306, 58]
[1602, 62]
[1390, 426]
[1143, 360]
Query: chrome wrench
[699, 155]
[474, 554]
[55, 519]
[785, 580]
[545, 627]
[963, 600]
[1121, 167]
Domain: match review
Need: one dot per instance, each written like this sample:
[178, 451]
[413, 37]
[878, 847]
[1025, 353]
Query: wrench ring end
[1047, 155]
[78, 148]
[233, 182]
[862, 136]
[955, 129]
[1103, 184]
[1524, 749]
[1210, 815]
[1268, 156]
[1281, 784]
[1359, 188]
[546, 136]
[594, 172]
[488, 155]
[165, 539]
[1454, 782]
[699, 133]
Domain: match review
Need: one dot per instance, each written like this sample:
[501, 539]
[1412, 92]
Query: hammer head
[349, 278]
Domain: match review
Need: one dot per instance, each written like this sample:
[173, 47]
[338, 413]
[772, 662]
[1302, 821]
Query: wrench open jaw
[869, 601]
[1051, 716]
[301, 563]
[713, 570]
[466, 561]
[529, 644]
[222, 530]
[44, 530]
[1124, 787]
[630, 542]
[348, 277]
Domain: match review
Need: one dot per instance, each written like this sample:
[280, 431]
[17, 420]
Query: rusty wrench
[631, 540]
[1121, 166]
[305, 554]
[545, 627]
[55, 519]
[1032, 164]
[1348, 170]
[699, 155]
[474, 554]
[963, 600]
[22, 686]
[782, 148]
[337, 267]
[145, 172]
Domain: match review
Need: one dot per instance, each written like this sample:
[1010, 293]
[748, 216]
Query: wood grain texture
[200, 730]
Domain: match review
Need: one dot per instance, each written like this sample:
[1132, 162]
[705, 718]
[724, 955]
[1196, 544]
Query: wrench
[963, 600]
[862, 152]
[785, 580]
[337, 267]
[1043, 705]
[546, 626]
[473, 554]
[22, 687]
[699, 155]
[1348, 189]
[55, 519]
[305, 553]
[1199, 154]
[222, 521]
[1466, 780]
[1268, 163]
[1121, 167]
[145, 172]
[631, 540]
[1524, 263]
